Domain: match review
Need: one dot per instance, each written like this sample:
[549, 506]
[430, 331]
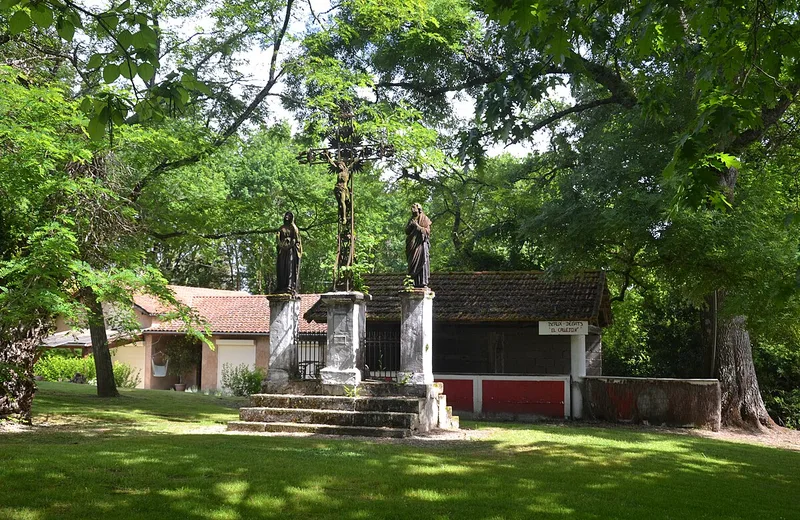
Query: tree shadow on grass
[534, 472]
[133, 407]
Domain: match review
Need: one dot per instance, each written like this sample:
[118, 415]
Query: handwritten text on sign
[558, 328]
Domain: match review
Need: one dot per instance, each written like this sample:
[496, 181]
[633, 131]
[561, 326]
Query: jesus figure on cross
[345, 156]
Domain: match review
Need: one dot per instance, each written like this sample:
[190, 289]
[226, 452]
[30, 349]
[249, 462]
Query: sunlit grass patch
[136, 461]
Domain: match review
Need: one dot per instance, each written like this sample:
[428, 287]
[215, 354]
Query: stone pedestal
[346, 330]
[416, 336]
[577, 373]
[284, 318]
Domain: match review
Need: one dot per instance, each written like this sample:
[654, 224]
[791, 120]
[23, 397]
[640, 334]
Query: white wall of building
[132, 354]
[234, 352]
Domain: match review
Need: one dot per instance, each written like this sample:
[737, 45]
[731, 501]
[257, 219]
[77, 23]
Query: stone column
[416, 336]
[284, 319]
[208, 367]
[148, 361]
[343, 353]
[577, 372]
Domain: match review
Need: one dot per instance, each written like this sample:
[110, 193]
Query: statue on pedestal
[418, 243]
[289, 252]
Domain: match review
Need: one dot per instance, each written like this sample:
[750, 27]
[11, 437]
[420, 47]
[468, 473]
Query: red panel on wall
[459, 394]
[624, 399]
[523, 397]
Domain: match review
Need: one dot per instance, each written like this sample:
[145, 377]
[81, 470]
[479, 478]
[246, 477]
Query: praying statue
[289, 252]
[418, 243]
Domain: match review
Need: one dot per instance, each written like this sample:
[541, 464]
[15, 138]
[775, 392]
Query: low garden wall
[507, 397]
[672, 402]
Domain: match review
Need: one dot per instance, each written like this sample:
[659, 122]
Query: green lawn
[136, 457]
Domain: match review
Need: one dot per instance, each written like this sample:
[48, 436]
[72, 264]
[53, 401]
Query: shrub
[242, 380]
[124, 375]
[63, 352]
[57, 367]
[778, 368]
[784, 407]
[184, 354]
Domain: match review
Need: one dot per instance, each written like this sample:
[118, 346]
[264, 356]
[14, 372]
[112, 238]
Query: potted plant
[183, 353]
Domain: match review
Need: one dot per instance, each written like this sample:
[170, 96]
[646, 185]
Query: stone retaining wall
[671, 402]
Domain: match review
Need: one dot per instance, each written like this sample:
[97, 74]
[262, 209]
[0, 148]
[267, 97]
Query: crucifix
[345, 155]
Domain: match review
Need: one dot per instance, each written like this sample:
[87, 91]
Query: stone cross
[345, 155]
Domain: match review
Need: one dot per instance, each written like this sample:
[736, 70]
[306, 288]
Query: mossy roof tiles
[498, 296]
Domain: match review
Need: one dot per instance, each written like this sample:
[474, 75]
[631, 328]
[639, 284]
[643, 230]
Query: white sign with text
[563, 328]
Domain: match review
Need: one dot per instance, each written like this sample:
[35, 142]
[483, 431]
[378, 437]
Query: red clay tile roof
[241, 313]
[183, 293]
[502, 296]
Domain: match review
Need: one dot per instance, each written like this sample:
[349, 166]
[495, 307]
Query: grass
[135, 458]
[140, 410]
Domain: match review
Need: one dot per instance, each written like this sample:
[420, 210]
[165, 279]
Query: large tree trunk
[731, 356]
[17, 357]
[742, 404]
[106, 387]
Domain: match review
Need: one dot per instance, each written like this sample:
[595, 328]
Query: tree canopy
[659, 137]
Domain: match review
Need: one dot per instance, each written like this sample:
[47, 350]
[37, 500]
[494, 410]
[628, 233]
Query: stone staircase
[378, 410]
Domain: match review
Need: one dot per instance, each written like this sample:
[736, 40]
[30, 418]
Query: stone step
[380, 388]
[365, 389]
[326, 429]
[452, 422]
[329, 402]
[330, 417]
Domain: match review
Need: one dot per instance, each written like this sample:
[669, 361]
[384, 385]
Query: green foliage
[783, 406]
[242, 380]
[735, 51]
[655, 334]
[8, 372]
[352, 391]
[125, 41]
[58, 367]
[38, 246]
[183, 353]
[778, 366]
[220, 217]
[125, 376]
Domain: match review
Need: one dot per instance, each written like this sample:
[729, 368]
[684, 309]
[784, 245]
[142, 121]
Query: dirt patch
[14, 427]
[776, 437]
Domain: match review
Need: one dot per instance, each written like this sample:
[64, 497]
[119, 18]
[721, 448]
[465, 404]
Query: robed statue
[418, 244]
[289, 252]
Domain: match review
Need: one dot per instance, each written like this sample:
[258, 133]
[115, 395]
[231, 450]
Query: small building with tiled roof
[488, 322]
[487, 346]
[239, 326]
[486, 330]
[237, 322]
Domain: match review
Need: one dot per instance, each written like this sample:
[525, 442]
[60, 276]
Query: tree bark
[742, 405]
[732, 353]
[104, 368]
[17, 357]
